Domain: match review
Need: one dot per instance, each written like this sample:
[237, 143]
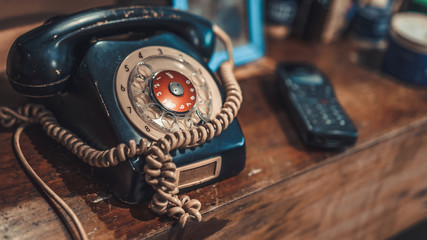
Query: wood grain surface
[369, 191]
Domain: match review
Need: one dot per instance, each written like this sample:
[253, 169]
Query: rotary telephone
[114, 76]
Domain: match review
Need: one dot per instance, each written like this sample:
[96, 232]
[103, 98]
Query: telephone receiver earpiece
[41, 62]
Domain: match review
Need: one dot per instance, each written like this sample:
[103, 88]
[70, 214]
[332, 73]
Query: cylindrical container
[406, 56]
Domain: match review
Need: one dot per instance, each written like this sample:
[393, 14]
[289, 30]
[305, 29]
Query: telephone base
[126, 180]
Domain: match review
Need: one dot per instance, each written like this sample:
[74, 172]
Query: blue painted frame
[254, 49]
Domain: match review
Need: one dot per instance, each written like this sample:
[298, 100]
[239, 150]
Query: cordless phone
[311, 103]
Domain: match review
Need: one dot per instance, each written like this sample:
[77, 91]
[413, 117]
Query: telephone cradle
[115, 74]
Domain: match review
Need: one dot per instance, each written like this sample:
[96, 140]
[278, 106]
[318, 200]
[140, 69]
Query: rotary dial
[161, 89]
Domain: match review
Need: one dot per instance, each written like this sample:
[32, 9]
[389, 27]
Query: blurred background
[366, 23]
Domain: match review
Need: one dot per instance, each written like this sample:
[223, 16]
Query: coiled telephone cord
[159, 168]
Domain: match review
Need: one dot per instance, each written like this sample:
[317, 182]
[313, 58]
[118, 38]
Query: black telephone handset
[41, 61]
[109, 90]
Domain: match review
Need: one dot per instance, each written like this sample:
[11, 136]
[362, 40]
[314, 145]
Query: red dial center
[174, 91]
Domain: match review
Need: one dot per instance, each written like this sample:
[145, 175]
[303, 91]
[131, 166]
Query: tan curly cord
[159, 168]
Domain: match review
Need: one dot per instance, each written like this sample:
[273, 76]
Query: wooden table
[369, 191]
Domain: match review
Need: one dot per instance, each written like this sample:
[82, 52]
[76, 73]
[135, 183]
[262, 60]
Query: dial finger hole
[138, 87]
[185, 124]
[144, 71]
[197, 79]
[142, 99]
[203, 109]
[141, 83]
[203, 94]
[152, 111]
[169, 121]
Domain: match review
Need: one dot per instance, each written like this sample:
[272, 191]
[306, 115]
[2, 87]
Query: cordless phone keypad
[318, 106]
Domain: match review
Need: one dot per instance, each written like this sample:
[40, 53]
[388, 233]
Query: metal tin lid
[409, 29]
